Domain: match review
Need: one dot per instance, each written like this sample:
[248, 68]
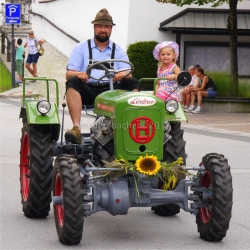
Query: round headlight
[171, 106]
[43, 107]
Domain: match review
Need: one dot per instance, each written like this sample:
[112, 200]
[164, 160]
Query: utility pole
[13, 59]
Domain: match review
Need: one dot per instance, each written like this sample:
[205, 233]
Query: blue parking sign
[13, 13]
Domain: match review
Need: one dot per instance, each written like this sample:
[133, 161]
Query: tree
[232, 28]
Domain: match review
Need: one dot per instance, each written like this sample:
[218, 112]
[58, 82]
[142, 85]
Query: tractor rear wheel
[36, 169]
[213, 221]
[68, 215]
[173, 149]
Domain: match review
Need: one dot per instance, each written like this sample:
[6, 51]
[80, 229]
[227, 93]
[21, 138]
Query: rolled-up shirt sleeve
[76, 59]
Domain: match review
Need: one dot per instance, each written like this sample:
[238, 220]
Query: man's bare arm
[81, 75]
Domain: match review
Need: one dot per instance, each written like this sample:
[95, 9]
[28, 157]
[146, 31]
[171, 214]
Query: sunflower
[147, 165]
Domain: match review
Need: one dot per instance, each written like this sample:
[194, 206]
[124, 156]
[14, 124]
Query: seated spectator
[186, 92]
[207, 89]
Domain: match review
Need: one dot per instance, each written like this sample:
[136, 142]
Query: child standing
[19, 59]
[167, 53]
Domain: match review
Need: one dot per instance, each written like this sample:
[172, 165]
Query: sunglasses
[31, 34]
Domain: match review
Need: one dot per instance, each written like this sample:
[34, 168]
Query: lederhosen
[105, 85]
[88, 92]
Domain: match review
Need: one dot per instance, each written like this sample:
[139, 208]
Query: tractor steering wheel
[106, 66]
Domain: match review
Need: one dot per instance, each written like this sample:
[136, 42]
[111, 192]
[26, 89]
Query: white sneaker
[189, 110]
[197, 111]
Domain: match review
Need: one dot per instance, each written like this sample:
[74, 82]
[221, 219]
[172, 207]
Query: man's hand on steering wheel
[119, 76]
[83, 76]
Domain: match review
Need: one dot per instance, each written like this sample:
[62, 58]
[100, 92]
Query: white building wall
[136, 20]
[75, 17]
[1, 13]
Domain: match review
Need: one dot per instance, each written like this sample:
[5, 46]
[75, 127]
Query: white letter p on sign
[12, 10]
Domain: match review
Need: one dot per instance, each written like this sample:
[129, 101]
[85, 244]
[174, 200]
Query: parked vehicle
[117, 166]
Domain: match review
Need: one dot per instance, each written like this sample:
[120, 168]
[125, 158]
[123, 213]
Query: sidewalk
[227, 123]
[53, 65]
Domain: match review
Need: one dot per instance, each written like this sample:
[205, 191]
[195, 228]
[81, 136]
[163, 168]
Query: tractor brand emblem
[141, 101]
[142, 130]
[105, 107]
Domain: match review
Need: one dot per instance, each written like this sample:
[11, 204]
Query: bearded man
[80, 90]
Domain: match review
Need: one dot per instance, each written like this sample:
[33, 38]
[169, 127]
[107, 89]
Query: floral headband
[161, 45]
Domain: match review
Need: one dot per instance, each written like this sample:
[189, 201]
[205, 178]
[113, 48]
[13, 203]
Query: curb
[18, 94]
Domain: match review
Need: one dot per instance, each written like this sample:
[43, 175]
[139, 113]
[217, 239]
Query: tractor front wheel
[213, 221]
[36, 170]
[68, 213]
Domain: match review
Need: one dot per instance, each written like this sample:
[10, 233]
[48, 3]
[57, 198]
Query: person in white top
[186, 92]
[33, 55]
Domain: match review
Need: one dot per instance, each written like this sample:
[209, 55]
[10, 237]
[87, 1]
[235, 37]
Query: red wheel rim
[59, 208]
[205, 213]
[24, 167]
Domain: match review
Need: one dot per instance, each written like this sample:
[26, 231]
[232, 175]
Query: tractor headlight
[171, 106]
[43, 107]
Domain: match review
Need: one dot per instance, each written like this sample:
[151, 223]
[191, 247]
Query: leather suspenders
[91, 56]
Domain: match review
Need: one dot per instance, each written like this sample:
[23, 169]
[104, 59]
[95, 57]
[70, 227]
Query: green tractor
[118, 164]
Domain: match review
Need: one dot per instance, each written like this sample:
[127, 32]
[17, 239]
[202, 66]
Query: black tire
[68, 216]
[166, 210]
[213, 221]
[36, 170]
[173, 149]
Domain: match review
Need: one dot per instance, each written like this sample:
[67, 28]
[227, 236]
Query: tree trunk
[232, 26]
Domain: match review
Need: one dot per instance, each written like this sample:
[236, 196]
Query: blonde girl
[167, 53]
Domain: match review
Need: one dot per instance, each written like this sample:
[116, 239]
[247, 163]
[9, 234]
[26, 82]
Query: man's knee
[74, 83]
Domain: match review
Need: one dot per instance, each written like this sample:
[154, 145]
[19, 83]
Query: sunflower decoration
[172, 173]
[148, 165]
[169, 173]
[122, 164]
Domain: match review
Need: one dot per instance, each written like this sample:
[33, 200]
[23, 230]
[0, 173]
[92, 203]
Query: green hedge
[222, 81]
[141, 56]
[6, 79]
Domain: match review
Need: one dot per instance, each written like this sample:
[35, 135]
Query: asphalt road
[141, 228]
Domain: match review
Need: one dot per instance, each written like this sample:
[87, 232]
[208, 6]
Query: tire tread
[217, 226]
[40, 143]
